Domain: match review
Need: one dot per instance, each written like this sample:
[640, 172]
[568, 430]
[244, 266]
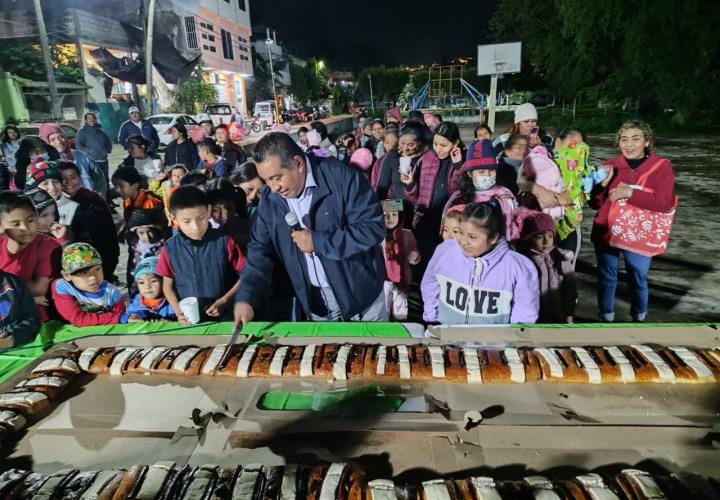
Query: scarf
[153, 304]
[551, 305]
[395, 260]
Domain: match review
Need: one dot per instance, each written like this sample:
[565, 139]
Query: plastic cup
[405, 167]
[191, 309]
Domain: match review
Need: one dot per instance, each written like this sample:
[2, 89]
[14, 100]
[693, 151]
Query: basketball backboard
[499, 58]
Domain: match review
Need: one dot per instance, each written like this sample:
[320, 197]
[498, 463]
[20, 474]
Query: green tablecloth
[16, 358]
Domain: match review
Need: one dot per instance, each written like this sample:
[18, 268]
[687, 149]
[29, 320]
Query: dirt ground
[685, 282]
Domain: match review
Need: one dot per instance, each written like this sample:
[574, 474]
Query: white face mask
[484, 182]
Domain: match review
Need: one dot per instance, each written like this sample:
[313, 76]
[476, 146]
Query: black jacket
[186, 153]
[19, 317]
[94, 224]
[233, 155]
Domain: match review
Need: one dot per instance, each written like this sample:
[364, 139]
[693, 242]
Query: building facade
[221, 31]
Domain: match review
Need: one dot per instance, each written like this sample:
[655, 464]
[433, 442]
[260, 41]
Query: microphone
[292, 221]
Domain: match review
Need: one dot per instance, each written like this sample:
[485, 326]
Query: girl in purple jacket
[478, 279]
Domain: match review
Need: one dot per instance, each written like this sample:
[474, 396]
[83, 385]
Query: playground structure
[446, 89]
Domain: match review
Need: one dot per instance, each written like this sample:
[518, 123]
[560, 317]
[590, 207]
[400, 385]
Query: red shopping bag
[639, 230]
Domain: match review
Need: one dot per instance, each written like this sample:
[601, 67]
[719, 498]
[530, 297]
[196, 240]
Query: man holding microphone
[322, 220]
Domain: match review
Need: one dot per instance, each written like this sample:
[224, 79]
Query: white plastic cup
[405, 167]
[191, 309]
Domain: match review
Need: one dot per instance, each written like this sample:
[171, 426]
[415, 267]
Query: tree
[310, 83]
[340, 100]
[387, 83]
[619, 50]
[26, 61]
[192, 93]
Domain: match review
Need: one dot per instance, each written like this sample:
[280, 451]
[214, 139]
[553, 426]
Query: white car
[165, 122]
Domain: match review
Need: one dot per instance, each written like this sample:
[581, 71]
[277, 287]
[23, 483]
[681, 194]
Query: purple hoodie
[498, 287]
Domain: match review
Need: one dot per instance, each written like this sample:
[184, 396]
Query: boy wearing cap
[136, 125]
[149, 304]
[83, 297]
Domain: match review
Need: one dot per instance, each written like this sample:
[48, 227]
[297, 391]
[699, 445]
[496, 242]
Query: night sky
[352, 34]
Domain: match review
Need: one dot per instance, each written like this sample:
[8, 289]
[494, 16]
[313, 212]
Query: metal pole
[491, 102]
[372, 101]
[269, 41]
[55, 103]
[149, 56]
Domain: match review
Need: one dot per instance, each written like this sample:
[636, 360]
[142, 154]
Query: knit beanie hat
[524, 112]
[146, 266]
[532, 223]
[143, 217]
[48, 129]
[40, 171]
[362, 158]
[393, 113]
[313, 138]
[394, 205]
[79, 256]
[480, 156]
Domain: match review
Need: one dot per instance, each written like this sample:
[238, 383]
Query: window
[209, 38]
[209, 48]
[207, 26]
[241, 4]
[191, 33]
[227, 44]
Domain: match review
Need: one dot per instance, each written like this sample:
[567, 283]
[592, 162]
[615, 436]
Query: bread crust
[356, 361]
[533, 372]
[52, 385]
[127, 484]
[455, 365]
[101, 363]
[260, 365]
[315, 478]
[229, 367]
[644, 371]
[325, 357]
[420, 363]
[292, 361]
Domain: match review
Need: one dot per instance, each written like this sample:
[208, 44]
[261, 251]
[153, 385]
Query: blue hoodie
[165, 311]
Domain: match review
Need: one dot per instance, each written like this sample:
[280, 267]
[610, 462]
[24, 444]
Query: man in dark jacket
[137, 126]
[93, 140]
[332, 254]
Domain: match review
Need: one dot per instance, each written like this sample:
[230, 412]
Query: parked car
[34, 129]
[219, 113]
[165, 122]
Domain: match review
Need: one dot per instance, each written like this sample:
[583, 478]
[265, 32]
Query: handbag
[640, 230]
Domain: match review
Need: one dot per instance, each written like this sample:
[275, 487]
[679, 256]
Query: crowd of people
[318, 228]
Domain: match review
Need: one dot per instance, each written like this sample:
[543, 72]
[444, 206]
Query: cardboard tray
[115, 421]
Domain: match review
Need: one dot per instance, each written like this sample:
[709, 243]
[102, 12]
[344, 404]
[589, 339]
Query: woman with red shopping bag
[636, 208]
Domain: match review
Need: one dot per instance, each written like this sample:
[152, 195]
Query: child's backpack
[572, 159]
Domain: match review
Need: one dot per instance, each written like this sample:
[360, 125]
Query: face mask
[483, 183]
[40, 157]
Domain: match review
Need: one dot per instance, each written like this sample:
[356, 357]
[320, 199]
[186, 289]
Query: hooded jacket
[498, 287]
[347, 228]
[94, 141]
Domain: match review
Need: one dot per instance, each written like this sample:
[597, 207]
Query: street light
[269, 41]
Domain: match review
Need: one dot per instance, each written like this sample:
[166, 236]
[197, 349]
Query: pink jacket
[421, 192]
[503, 196]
